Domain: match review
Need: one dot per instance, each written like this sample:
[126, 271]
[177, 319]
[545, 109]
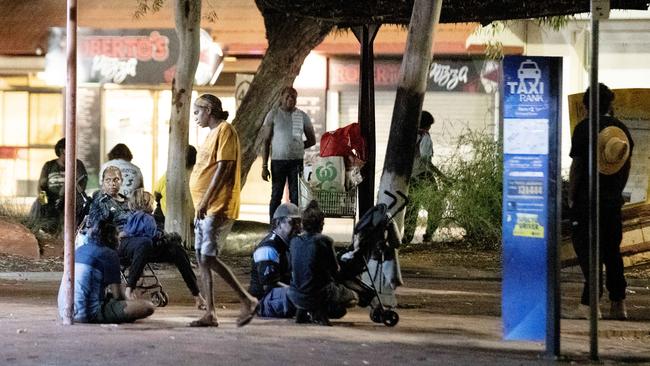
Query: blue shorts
[210, 234]
[276, 304]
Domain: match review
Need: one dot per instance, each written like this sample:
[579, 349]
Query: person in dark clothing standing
[51, 186]
[615, 148]
[271, 266]
[313, 289]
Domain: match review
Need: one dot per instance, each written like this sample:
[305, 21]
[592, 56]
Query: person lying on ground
[313, 289]
[97, 267]
[143, 242]
[270, 264]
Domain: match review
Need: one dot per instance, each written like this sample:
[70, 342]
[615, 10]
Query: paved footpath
[30, 334]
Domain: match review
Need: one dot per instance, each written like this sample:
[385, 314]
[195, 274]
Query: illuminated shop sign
[445, 75]
[129, 56]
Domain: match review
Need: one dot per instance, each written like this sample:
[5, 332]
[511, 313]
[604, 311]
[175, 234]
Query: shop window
[30, 124]
[15, 113]
[45, 118]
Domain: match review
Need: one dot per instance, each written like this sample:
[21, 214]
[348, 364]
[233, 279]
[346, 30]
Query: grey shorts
[210, 234]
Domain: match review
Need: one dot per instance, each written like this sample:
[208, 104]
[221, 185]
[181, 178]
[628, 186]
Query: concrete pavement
[451, 320]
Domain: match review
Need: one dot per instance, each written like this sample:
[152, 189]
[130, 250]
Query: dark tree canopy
[346, 12]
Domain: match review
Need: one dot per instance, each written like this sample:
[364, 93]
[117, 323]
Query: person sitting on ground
[142, 242]
[270, 264]
[48, 208]
[160, 191]
[97, 267]
[313, 289]
[120, 156]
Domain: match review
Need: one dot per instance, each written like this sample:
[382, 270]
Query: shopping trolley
[333, 204]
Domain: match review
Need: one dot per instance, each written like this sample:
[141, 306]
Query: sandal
[249, 315]
[204, 322]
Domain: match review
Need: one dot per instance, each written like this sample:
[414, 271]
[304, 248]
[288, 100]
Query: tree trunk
[290, 41]
[408, 101]
[179, 214]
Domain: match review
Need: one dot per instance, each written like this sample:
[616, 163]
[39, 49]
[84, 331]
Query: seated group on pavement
[295, 274]
[292, 274]
[140, 240]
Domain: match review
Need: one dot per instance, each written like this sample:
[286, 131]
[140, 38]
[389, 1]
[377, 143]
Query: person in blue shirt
[97, 267]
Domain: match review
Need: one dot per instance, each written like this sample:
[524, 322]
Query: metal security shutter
[454, 114]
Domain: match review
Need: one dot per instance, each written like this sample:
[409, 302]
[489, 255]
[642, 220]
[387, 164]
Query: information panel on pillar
[530, 145]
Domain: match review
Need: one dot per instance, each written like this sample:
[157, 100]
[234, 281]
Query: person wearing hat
[615, 146]
[215, 187]
[271, 264]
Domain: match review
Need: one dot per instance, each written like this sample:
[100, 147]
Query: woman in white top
[120, 156]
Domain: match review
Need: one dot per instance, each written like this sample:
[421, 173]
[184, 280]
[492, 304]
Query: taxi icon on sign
[529, 70]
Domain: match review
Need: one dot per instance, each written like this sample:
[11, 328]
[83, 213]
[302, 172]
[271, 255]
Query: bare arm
[309, 133]
[42, 180]
[224, 168]
[267, 135]
[117, 291]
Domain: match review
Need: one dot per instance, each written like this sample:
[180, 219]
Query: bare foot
[207, 320]
[248, 311]
[199, 302]
[129, 294]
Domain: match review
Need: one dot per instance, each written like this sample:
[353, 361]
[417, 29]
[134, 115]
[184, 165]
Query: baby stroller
[374, 241]
[148, 282]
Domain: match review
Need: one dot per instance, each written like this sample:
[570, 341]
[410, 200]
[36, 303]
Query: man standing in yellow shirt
[215, 187]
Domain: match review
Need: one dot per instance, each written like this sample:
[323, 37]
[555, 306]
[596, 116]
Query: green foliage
[145, 6]
[151, 6]
[470, 194]
[494, 47]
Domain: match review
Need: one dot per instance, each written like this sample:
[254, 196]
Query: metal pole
[366, 36]
[554, 217]
[70, 162]
[594, 189]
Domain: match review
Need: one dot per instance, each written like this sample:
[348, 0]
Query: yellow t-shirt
[161, 187]
[222, 144]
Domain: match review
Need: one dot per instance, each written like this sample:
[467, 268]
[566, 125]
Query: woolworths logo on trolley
[529, 87]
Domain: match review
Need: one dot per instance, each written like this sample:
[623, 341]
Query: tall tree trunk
[408, 101]
[179, 212]
[290, 41]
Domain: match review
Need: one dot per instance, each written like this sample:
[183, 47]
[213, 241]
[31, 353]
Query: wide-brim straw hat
[613, 150]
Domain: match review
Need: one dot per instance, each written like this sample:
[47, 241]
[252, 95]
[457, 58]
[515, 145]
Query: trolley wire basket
[332, 203]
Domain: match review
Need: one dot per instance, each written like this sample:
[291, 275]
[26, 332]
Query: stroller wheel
[377, 315]
[391, 318]
[165, 298]
[157, 299]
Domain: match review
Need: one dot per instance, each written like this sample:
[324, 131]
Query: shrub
[470, 196]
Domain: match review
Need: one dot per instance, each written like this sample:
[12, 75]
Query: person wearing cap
[615, 146]
[271, 264]
[215, 187]
[282, 134]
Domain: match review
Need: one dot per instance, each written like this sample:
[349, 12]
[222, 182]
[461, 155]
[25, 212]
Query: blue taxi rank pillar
[531, 91]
